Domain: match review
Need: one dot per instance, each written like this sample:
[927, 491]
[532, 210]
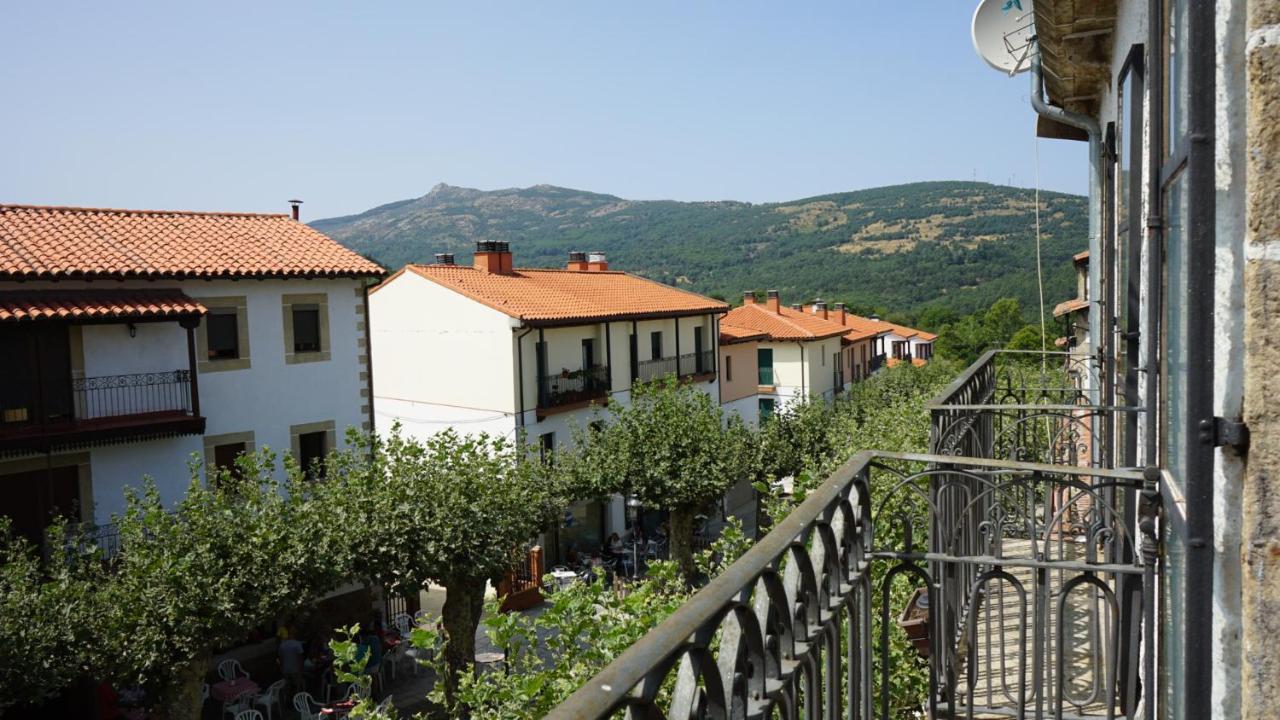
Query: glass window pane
[1176, 356]
[311, 452]
[764, 359]
[222, 335]
[1176, 74]
[306, 328]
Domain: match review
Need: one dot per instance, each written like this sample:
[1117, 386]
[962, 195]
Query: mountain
[896, 249]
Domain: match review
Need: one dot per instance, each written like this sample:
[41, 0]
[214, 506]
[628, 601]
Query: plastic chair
[230, 670]
[307, 707]
[238, 704]
[271, 698]
[249, 715]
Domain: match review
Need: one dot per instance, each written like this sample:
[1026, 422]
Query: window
[306, 328]
[697, 351]
[764, 359]
[221, 451]
[588, 353]
[224, 337]
[728, 368]
[899, 349]
[635, 357]
[766, 409]
[655, 345]
[312, 447]
[1177, 79]
[222, 343]
[547, 448]
[224, 457]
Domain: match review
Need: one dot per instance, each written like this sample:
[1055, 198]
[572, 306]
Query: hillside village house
[134, 339]
[798, 355]
[1074, 313]
[504, 350]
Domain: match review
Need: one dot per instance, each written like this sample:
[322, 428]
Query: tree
[44, 613]
[1002, 320]
[1030, 338]
[796, 437]
[456, 510]
[672, 447]
[229, 557]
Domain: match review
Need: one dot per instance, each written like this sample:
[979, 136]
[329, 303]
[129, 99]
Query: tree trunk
[182, 699]
[463, 604]
[682, 542]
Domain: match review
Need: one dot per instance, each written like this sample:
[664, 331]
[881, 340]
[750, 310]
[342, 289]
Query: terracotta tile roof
[552, 296]
[1070, 306]
[864, 327]
[1061, 342]
[58, 242]
[121, 304]
[730, 334]
[1080, 257]
[893, 361]
[786, 324]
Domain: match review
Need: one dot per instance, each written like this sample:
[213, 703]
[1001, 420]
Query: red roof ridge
[135, 211]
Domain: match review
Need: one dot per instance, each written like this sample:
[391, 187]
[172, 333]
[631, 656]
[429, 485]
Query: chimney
[749, 297]
[820, 308]
[493, 256]
[596, 262]
[577, 261]
[798, 307]
[773, 302]
[874, 316]
[444, 258]
[295, 205]
[840, 309]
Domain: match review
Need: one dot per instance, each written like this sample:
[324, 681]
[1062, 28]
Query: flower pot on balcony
[914, 621]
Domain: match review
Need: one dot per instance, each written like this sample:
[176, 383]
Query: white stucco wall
[265, 399]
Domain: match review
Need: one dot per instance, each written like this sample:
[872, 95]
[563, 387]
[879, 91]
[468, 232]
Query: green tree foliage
[1001, 325]
[456, 510]
[231, 555]
[671, 447]
[44, 613]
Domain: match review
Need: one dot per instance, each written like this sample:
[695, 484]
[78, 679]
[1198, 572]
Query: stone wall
[1260, 586]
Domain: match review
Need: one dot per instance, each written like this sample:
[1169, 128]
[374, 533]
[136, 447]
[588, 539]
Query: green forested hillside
[898, 249]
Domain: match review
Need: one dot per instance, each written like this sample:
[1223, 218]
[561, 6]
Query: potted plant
[914, 620]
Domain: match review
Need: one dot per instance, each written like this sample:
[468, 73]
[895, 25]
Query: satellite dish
[1002, 32]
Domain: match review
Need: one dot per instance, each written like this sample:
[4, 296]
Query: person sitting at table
[291, 654]
[614, 548]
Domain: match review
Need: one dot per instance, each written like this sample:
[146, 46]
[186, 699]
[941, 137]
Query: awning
[98, 305]
[1070, 306]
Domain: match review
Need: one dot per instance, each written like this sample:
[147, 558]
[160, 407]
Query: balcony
[58, 414]
[690, 365]
[1037, 557]
[569, 390]
[877, 362]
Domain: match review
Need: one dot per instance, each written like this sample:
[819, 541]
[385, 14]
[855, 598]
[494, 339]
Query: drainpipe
[1090, 126]
[520, 371]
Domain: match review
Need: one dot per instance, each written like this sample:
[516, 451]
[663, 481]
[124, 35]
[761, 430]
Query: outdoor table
[232, 689]
[564, 578]
[342, 708]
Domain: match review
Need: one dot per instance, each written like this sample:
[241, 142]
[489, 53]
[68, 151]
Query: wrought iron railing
[877, 362]
[569, 387]
[788, 628]
[95, 398]
[1034, 562]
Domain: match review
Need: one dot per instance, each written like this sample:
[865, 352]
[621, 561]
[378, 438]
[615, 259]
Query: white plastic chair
[271, 698]
[230, 669]
[308, 708]
[249, 715]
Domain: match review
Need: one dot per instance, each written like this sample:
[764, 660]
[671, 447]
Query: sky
[244, 105]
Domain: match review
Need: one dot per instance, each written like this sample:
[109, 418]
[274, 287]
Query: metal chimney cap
[596, 257]
[577, 256]
[444, 258]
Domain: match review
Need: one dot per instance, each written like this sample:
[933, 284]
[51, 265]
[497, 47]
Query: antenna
[1003, 31]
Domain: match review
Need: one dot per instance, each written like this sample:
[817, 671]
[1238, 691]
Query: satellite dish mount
[1004, 34]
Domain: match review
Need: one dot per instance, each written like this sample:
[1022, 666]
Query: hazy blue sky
[241, 106]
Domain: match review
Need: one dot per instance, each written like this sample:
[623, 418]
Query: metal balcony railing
[1037, 577]
[570, 387]
[685, 365]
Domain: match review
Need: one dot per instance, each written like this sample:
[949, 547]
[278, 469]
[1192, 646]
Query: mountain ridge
[899, 248]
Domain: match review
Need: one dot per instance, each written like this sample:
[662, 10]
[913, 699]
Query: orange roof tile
[1070, 306]
[58, 242]
[121, 304]
[868, 327]
[1080, 257]
[893, 362]
[786, 324]
[730, 334]
[552, 296]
